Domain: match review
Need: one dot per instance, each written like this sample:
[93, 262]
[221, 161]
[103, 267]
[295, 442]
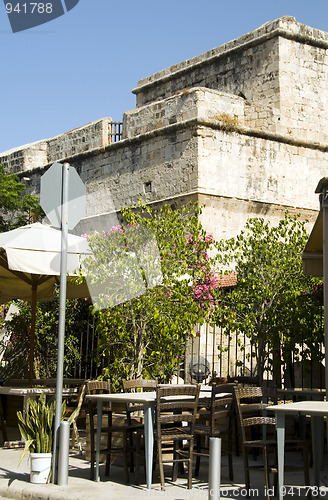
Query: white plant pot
[40, 467]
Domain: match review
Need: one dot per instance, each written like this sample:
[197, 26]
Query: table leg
[281, 451]
[149, 440]
[317, 430]
[98, 442]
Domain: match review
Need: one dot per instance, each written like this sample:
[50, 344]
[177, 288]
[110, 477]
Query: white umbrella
[30, 268]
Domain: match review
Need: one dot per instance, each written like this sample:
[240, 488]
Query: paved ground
[14, 483]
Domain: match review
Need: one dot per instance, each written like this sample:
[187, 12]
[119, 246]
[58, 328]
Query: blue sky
[83, 66]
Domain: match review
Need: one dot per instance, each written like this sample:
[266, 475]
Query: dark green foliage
[46, 338]
[145, 336]
[273, 300]
[16, 209]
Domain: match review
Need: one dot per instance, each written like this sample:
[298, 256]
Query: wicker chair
[123, 428]
[175, 406]
[258, 432]
[219, 422]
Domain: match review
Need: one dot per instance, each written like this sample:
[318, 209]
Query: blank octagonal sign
[51, 195]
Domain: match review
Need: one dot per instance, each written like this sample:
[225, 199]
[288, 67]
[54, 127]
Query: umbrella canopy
[30, 267]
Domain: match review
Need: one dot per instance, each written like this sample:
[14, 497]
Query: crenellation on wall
[26, 157]
[91, 136]
[189, 104]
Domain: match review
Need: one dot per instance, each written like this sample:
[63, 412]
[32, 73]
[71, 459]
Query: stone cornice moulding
[192, 123]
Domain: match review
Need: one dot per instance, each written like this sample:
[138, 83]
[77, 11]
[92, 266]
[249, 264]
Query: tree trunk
[277, 363]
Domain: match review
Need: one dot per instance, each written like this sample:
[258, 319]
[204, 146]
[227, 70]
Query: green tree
[273, 300]
[46, 339]
[16, 208]
[145, 336]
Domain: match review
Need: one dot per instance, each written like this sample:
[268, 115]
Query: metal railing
[115, 132]
[213, 353]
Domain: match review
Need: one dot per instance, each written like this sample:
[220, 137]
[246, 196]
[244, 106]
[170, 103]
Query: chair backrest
[97, 386]
[221, 409]
[252, 403]
[176, 404]
[139, 383]
[79, 404]
[228, 387]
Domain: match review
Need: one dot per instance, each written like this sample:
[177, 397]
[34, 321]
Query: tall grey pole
[324, 202]
[214, 472]
[61, 321]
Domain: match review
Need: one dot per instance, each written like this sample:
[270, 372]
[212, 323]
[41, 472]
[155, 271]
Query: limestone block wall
[280, 69]
[91, 136]
[246, 71]
[94, 135]
[190, 104]
[242, 176]
[25, 158]
[153, 168]
[260, 152]
[254, 168]
[303, 90]
[193, 145]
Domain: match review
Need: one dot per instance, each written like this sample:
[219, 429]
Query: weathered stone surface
[241, 128]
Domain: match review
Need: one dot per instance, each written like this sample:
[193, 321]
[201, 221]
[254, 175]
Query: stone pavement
[14, 483]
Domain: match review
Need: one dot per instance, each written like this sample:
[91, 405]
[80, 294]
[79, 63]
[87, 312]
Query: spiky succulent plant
[36, 425]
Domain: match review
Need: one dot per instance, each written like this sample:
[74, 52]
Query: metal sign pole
[324, 203]
[61, 322]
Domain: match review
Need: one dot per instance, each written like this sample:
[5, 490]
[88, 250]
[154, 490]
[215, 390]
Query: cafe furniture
[316, 410]
[215, 421]
[257, 422]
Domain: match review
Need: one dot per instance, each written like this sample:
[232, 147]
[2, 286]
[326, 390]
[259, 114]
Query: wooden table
[148, 400]
[314, 409]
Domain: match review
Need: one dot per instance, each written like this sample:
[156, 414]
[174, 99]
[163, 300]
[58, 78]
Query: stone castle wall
[240, 128]
[280, 69]
[94, 135]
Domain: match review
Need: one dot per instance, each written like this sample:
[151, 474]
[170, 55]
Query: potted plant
[36, 427]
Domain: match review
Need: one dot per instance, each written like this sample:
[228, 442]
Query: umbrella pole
[32, 334]
[59, 474]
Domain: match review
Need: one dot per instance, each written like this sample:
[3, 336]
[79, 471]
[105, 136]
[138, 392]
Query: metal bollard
[214, 473]
[63, 453]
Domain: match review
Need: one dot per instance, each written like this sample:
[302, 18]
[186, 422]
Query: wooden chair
[137, 385]
[258, 432]
[75, 408]
[134, 415]
[122, 429]
[176, 405]
[217, 422]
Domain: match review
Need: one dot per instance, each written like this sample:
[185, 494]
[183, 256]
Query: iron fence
[210, 352]
[115, 132]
